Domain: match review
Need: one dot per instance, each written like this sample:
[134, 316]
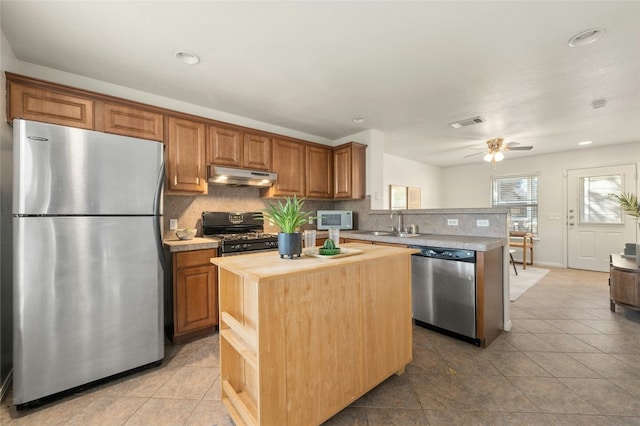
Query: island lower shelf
[302, 339]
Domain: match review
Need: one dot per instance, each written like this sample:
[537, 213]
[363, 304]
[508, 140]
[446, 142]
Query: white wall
[469, 186]
[403, 172]
[7, 60]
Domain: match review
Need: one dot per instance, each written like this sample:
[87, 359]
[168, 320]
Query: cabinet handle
[175, 180]
[197, 181]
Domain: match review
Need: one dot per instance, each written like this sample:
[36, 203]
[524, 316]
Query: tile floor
[567, 361]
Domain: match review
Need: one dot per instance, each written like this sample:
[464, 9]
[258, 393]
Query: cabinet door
[349, 163]
[224, 147]
[185, 156]
[34, 103]
[289, 163]
[257, 152]
[129, 121]
[319, 172]
[195, 299]
[625, 287]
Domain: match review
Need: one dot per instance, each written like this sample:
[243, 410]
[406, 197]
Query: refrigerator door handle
[157, 210]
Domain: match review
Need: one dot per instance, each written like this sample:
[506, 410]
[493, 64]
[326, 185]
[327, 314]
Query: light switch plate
[452, 222]
[482, 222]
[173, 224]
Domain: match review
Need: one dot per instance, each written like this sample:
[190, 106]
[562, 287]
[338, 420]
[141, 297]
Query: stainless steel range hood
[219, 175]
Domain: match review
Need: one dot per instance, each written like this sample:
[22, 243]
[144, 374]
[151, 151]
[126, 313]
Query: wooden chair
[525, 242]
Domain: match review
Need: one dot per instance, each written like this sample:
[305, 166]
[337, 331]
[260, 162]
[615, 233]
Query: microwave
[342, 219]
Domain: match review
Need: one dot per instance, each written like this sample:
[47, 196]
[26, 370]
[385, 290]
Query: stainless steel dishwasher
[443, 284]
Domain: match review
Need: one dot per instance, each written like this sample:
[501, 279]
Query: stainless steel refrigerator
[87, 257]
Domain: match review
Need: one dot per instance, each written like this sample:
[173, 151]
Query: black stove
[238, 232]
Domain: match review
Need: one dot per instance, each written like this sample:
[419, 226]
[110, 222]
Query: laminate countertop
[432, 240]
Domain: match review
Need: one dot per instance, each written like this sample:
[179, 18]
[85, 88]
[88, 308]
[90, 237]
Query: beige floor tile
[607, 366]
[530, 343]
[566, 342]
[551, 396]
[350, 416]
[143, 384]
[516, 364]
[395, 392]
[579, 420]
[496, 393]
[443, 392]
[452, 417]
[54, 413]
[106, 411]
[536, 326]
[188, 383]
[572, 326]
[163, 412]
[605, 396]
[396, 417]
[561, 365]
[510, 419]
[209, 413]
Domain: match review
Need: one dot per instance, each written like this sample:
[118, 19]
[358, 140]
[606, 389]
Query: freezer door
[87, 301]
[65, 171]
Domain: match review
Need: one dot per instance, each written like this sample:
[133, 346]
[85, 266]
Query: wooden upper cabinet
[224, 147]
[288, 159]
[349, 161]
[186, 156]
[50, 106]
[257, 152]
[319, 172]
[229, 147]
[128, 121]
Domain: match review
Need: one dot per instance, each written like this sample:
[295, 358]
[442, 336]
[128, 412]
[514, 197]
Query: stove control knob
[245, 246]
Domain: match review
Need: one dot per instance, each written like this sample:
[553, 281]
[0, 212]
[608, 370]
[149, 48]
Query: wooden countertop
[624, 264]
[197, 243]
[433, 240]
[269, 264]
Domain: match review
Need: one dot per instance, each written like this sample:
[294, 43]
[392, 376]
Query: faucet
[399, 220]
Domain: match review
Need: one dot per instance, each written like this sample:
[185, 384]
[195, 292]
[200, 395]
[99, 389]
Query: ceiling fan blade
[508, 145]
[520, 148]
[475, 153]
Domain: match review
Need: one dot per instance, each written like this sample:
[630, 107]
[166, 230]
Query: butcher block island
[302, 339]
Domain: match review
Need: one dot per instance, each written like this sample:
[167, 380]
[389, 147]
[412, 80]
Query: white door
[596, 226]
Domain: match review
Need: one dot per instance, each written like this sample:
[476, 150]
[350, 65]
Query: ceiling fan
[495, 149]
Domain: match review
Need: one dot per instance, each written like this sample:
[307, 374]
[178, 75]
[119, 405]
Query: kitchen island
[302, 339]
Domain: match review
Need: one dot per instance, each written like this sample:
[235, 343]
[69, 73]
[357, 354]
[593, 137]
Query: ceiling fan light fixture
[586, 37]
[499, 156]
[488, 157]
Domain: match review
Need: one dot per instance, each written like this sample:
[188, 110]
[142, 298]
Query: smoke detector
[467, 122]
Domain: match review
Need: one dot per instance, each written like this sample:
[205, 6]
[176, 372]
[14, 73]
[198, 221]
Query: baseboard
[5, 386]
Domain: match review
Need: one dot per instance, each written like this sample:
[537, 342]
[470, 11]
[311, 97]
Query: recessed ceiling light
[187, 57]
[585, 143]
[586, 37]
[358, 120]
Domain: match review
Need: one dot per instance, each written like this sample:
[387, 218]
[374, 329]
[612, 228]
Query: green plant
[628, 202]
[288, 216]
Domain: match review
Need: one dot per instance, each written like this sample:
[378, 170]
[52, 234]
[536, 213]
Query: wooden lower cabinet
[195, 295]
[624, 283]
[301, 341]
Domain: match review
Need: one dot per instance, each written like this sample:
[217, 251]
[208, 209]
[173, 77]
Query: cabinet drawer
[187, 259]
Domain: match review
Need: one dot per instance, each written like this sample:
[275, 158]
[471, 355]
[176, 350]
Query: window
[520, 194]
[595, 204]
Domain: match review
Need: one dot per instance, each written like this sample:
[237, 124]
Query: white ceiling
[409, 68]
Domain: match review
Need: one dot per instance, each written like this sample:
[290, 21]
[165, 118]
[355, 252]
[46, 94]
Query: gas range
[238, 232]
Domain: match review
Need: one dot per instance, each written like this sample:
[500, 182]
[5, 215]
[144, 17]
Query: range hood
[219, 175]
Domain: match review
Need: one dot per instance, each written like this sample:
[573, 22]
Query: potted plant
[289, 217]
[631, 206]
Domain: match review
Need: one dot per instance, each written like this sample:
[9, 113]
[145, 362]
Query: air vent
[467, 122]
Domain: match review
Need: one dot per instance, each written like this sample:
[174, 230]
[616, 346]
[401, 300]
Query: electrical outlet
[310, 221]
[173, 224]
[452, 222]
[482, 222]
